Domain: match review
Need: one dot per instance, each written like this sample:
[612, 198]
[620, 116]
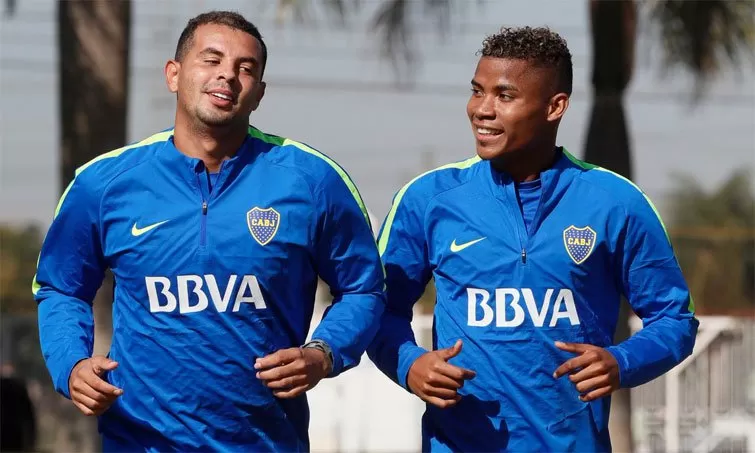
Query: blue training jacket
[206, 281]
[510, 294]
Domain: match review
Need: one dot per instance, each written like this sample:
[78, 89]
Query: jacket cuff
[61, 381]
[624, 372]
[408, 354]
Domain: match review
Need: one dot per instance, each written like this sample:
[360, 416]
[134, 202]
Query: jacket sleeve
[348, 261]
[655, 288]
[69, 273]
[404, 252]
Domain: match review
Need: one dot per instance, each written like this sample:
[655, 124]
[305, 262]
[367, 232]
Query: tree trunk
[93, 40]
[613, 27]
[93, 51]
[613, 35]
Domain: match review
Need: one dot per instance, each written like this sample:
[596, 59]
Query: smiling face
[218, 79]
[515, 106]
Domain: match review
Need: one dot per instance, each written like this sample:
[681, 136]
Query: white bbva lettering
[183, 296]
[487, 316]
[507, 299]
[192, 297]
[154, 300]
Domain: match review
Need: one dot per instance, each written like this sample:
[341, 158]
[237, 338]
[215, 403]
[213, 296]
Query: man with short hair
[216, 233]
[531, 251]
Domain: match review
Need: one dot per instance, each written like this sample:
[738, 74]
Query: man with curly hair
[531, 251]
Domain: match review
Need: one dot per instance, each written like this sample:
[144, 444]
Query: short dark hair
[229, 19]
[539, 45]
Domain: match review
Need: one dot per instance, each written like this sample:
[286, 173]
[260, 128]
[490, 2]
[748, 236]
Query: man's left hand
[594, 371]
[291, 372]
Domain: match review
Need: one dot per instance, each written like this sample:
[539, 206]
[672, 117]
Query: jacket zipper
[524, 235]
[206, 191]
[203, 227]
[205, 206]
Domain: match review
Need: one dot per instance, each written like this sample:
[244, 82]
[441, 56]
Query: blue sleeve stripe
[159, 137]
[386, 230]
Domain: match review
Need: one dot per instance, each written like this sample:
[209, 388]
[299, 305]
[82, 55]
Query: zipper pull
[204, 207]
[524, 256]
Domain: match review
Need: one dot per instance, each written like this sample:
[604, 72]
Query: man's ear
[261, 86]
[557, 106]
[172, 68]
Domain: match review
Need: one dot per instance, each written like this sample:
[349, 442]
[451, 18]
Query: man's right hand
[435, 380]
[89, 392]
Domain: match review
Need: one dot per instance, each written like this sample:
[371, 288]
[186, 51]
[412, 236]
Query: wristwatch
[322, 346]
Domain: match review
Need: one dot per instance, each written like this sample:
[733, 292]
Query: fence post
[672, 411]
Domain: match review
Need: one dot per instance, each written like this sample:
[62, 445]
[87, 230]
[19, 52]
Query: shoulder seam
[384, 237]
[459, 165]
[306, 178]
[587, 166]
[282, 141]
[301, 173]
[155, 138]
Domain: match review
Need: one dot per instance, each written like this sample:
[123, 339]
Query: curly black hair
[539, 45]
[229, 19]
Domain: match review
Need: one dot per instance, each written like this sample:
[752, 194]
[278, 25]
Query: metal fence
[706, 403]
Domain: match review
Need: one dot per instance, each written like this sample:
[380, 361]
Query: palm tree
[93, 58]
[701, 37]
[93, 66]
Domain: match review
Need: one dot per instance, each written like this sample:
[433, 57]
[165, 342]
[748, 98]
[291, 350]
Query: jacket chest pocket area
[571, 257]
[259, 230]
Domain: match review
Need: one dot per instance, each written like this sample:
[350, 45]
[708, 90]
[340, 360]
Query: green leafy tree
[19, 248]
[714, 237]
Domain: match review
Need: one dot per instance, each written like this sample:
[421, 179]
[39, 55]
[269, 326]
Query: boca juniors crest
[263, 224]
[579, 242]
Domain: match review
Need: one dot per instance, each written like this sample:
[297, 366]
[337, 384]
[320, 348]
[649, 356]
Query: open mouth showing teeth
[222, 96]
[485, 131]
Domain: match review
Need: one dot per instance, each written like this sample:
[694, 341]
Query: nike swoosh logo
[459, 247]
[136, 231]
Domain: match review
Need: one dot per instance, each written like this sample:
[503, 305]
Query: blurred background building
[664, 93]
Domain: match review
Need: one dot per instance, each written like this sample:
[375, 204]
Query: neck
[211, 144]
[526, 165]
